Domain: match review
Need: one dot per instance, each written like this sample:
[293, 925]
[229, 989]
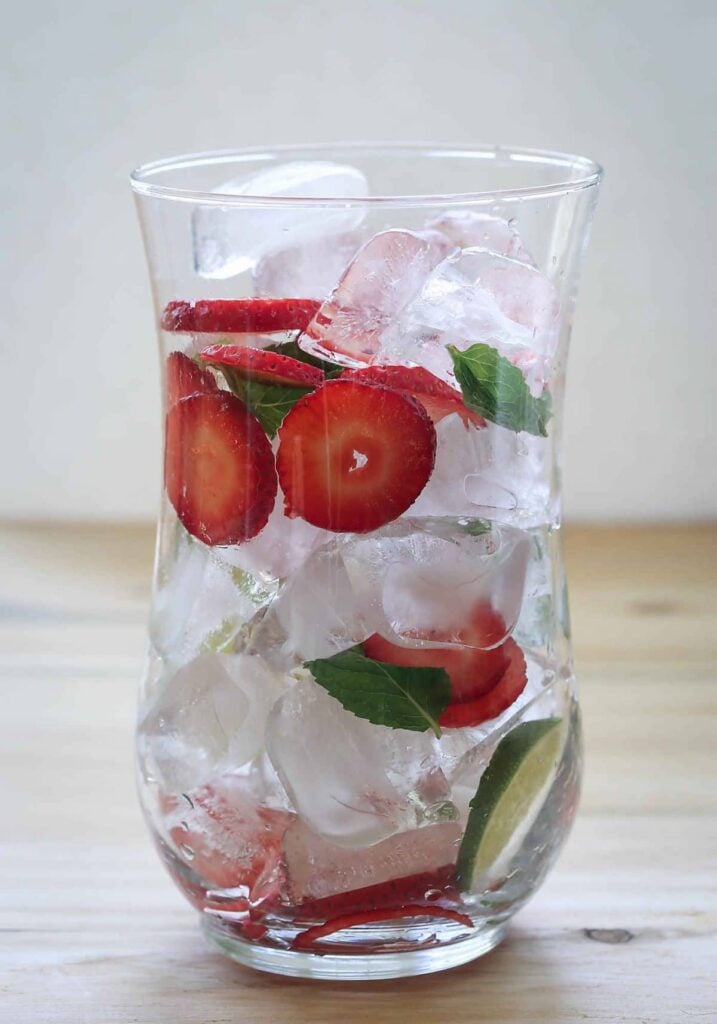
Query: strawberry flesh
[263, 366]
[185, 378]
[306, 939]
[218, 468]
[438, 398]
[238, 316]
[353, 456]
[494, 701]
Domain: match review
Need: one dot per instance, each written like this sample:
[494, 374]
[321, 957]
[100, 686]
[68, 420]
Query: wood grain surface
[93, 932]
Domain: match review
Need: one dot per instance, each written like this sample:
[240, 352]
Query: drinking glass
[358, 734]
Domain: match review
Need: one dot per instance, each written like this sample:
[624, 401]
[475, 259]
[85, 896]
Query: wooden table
[92, 930]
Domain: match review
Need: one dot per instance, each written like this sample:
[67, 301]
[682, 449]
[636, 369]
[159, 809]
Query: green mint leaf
[475, 527]
[270, 403]
[392, 695]
[496, 389]
[293, 349]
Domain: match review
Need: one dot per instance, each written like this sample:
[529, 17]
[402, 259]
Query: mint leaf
[270, 403]
[392, 695]
[475, 527]
[496, 389]
[293, 349]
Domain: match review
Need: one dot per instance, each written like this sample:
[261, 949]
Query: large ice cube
[207, 719]
[316, 868]
[230, 239]
[424, 576]
[479, 296]
[310, 270]
[490, 472]
[317, 613]
[469, 229]
[384, 277]
[201, 602]
[333, 766]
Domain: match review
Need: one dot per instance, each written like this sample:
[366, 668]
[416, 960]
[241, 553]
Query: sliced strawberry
[431, 886]
[218, 468]
[438, 398]
[306, 939]
[233, 843]
[354, 456]
[238, 316]
[185, 378]
[495, 701]
[264, 366]
[481, 680]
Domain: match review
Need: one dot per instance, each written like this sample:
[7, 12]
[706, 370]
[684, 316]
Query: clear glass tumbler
[358, 736]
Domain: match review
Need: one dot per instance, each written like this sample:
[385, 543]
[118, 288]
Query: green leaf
[293, 349]
[475, 527]
[392, 695]
[270, 403]
[496, 389]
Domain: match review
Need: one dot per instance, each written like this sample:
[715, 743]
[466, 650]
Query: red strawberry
[354, 456]
[431, 886]
[438, 398]
[495, 701]
[185, 378]
[218, 468]
[483, 682]
[306, 940]
[238, 316]
[264, 366]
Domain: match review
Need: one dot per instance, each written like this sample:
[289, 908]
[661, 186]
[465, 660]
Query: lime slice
[518, 770]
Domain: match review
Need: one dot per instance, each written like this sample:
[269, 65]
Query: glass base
[355, 965]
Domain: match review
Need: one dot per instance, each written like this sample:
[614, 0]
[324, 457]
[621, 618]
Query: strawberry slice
[306, 939]
[483, 682]
[438, 398]
[261, 365]
[354, 456]
[496, 700]
[431, 886]
[218, 468]
[185, 378]
[238, 316]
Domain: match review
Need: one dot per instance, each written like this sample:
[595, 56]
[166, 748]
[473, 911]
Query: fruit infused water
[358, 736]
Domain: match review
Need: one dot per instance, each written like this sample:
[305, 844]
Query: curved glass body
[358, 736]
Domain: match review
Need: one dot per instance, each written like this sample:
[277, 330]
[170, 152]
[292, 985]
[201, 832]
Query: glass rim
[590, 174]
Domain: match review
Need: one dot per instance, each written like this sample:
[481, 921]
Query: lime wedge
[518, 770]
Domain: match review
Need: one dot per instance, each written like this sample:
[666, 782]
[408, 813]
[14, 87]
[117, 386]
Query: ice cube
[223, 836]
[489, 472]
[332, 764]
[230, 239]
[384, 277]
[316, 868]
[310, 270]
[479, 296]
[469, 229]
[316, 614]
[207, 719]
[427, 575]
[279, 549]
[201, 602]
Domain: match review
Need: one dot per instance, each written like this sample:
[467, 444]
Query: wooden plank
[91, 929]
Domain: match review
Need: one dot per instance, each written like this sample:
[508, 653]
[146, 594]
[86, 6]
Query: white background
[93, 88]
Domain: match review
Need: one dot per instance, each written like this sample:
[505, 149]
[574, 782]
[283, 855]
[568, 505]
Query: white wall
[96, 87]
